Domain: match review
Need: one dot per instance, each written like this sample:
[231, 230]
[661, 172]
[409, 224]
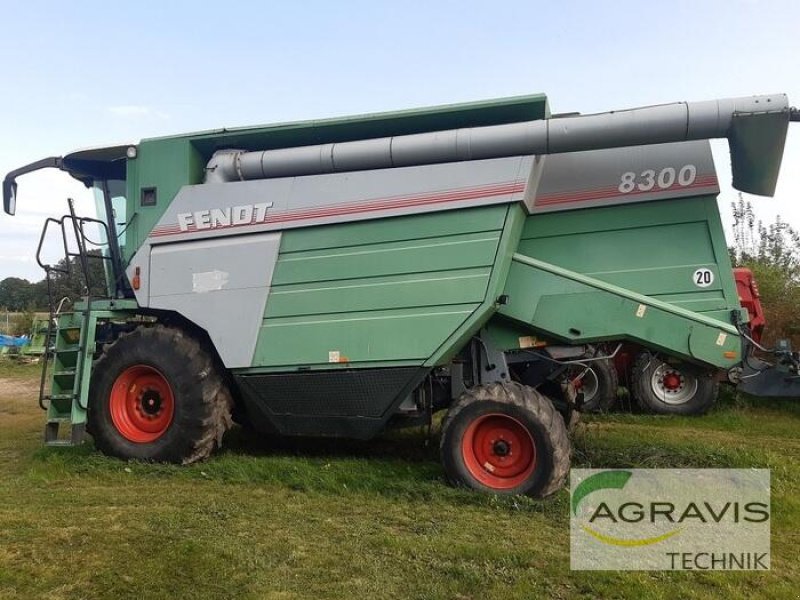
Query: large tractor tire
[598, 383]
[667, 389]
[505, 439]
[156, 395]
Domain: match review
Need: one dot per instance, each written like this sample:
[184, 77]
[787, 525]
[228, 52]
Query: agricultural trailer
[340, 277]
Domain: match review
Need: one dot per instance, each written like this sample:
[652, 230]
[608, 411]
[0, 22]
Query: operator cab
[103, 170]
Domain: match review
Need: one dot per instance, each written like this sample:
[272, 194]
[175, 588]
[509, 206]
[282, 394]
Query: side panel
[220, 210]
[305, 201]
[625, 175]
[385, 291]
[652, 248]
[628, 244]
[575, 308]
[220, 284]
[644, 219]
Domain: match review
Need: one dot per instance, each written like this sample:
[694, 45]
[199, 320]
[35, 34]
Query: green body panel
[625, 273]
[390, 290]
[166, 165]
[447, 253]
[381, 293]
[578, 309]
[509, 241]
[650, 248]
[407, 334]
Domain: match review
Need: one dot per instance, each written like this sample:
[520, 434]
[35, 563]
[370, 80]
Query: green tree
[15, 293]
[772, 253]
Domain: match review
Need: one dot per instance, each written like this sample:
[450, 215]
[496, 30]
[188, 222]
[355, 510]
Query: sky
[90, 73]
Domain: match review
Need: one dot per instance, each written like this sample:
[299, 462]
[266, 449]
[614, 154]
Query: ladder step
[65, 373]
[60, 397]
[70, 335]
[51, 431]
[68, 349]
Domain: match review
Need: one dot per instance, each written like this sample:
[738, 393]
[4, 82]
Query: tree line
[21, 295]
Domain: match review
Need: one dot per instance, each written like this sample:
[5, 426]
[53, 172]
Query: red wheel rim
[498, 451]
[672, 380]
[142, 404]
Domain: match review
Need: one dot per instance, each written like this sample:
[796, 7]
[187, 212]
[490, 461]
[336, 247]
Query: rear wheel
[505, 439]
[156, 395]
[668, 389]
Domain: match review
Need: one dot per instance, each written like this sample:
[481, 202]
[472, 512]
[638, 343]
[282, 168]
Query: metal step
[68, 356]
[51, 430]
[68, 349]
[66, 373]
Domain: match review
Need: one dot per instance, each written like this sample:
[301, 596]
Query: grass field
[352, 520]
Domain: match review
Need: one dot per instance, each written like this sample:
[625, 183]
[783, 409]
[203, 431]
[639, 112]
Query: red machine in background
[749, 297]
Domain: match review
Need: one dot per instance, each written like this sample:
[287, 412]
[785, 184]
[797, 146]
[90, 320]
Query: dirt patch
[22, 390]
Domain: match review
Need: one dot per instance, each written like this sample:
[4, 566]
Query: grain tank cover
[483, 113]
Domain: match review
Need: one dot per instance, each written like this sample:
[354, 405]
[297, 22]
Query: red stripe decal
[613, 192]
[365, 207]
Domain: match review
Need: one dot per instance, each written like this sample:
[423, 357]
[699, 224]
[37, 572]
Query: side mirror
[9, 196]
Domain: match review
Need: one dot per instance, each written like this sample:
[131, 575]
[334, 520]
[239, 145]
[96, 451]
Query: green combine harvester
[339, 277]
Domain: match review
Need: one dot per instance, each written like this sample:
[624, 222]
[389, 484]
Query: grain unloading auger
[339, 277]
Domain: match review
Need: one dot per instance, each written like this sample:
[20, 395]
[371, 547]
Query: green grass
[346, 519]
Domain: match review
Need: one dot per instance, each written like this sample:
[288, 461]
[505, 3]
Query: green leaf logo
[599, 481]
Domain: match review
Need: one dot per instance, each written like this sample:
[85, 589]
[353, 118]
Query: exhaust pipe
[754, 126]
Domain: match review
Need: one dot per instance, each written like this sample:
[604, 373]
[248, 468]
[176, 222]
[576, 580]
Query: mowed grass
[352, 520]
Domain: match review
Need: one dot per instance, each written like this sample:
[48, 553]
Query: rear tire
[666, 389]
[505, 439]
[157, 396]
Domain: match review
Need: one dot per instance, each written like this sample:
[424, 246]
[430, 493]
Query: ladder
[70, 341]
[70, 354]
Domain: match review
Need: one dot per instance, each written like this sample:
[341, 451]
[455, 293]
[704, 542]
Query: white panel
[220, 284]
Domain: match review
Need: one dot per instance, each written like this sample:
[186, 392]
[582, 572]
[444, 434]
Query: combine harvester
[338, 277]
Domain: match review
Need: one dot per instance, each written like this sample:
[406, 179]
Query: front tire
[156, 395]
[667, 389]
[505, 439]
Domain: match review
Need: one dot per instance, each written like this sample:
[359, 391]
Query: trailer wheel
[157, 396]
[505, 439]
[666, 389]
[598, 382]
